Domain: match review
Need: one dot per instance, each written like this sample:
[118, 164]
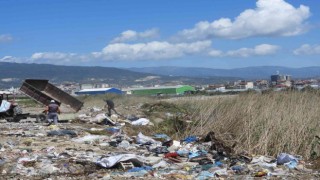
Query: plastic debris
[190, 139]
[142, 139]
[136, 169]
[113, 160]
[88, 138]
[62, 132]
[285, 158]
[141, 122]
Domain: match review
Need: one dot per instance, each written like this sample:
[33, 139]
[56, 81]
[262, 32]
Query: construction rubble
[98, 147]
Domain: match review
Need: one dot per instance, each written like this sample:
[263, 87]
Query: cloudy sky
[144, 33]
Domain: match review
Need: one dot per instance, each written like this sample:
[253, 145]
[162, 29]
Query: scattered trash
[88, 139]
[141, 122]
[62, 132]
[285, 158]
[136, 169]
[190, 139]
[113, 160]
[142, 139]
[104, 150]
[113, 130]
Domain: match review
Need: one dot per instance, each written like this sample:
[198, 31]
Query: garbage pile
[77, 151]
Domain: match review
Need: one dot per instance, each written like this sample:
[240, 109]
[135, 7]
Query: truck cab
[9, 109]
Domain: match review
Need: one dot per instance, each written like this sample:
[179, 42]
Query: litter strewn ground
[99, 147]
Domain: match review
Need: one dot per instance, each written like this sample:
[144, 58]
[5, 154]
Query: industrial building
[281, 80]
[162, 90]
[99, 91]
[279, 77]
[93, 86]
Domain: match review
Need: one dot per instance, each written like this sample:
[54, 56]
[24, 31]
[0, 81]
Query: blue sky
[119, 33]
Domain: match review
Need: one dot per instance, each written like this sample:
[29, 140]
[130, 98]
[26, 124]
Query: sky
[143, 33]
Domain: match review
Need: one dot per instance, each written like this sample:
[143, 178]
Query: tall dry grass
[260, 123]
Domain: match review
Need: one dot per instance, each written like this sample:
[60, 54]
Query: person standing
[53, 110]
[110, 106]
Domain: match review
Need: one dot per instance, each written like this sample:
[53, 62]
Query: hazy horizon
[165, 66]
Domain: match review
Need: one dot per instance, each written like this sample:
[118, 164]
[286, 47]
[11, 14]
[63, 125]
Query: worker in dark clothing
[110, 106]
[53, 110]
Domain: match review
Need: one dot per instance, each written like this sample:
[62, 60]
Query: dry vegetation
[261, 123]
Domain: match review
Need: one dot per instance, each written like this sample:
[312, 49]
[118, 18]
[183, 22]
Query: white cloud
[131, 35]
[307, 49]
[5, 38]
[156, 50]
[59, 58]
[215, 53]
[152, 50]
[265, 49]
[269, 18]
[259, 50]
[10, 59]
[53, 56]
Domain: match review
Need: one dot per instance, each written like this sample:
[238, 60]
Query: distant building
[243, 85]
[5, 94]
[283, 80]
[93, 86]
[315, 86]
[279, 77]
[217, 87]
[96, 91]
[86, 86]
[161, 90]
[262, 84]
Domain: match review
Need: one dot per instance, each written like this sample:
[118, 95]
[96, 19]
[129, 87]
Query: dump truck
[41, 91]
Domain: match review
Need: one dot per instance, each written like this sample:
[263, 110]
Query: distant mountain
[260, 72]
[66, 73]
[12, 74]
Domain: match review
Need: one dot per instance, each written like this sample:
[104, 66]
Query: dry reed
[261, 123]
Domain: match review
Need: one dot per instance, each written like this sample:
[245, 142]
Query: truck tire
[10, 119]
[41, 118]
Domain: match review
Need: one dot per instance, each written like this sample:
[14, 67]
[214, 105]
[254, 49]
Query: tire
[10, 119]
[41, 118]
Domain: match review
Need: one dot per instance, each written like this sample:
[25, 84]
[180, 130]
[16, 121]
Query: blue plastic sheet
[137, 169]
[196, 154]
[190, 139]
[218, 163]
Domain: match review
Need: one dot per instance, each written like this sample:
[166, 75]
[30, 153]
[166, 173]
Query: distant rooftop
[158, 87]
[95, 89]
[5, 92]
